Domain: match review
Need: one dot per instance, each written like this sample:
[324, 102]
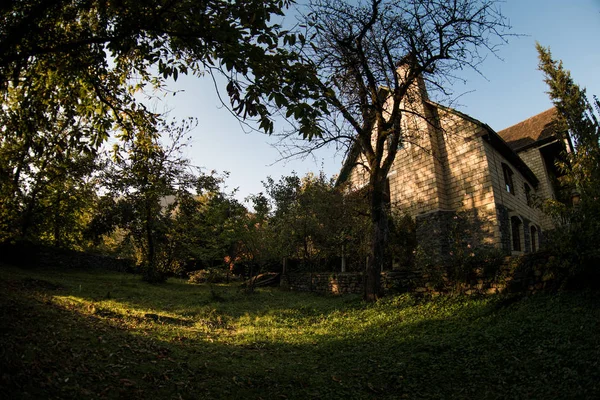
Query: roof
[535, 130]
[349, 163]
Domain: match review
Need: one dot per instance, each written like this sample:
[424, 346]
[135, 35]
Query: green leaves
[70, 72]
[579, 169]
[312, 221]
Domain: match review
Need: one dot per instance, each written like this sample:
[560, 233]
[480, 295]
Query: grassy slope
[85, 335]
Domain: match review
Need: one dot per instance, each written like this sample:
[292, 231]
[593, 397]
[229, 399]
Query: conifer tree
[578, 117]
[574, 242]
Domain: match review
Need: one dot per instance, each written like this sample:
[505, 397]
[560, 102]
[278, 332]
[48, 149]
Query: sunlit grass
[97, 334]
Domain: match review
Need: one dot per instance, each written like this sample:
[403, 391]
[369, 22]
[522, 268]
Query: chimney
[404, 68]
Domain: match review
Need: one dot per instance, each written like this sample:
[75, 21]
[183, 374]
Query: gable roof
[535, 130]
[349, 163]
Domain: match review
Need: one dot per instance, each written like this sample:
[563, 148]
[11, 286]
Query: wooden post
[283, 281]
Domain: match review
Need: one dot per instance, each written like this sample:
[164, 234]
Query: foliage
[153, 40]
[402, 240]
[354, 225]
[301, 218]
[314, 221]
[469, 253]
[47, 157]
[573, 242]
[145, 180]
[371, 58]
[210, 276]
[468, 256]
[313, 224]
[209, 227]
[72, 73]
[103, 335]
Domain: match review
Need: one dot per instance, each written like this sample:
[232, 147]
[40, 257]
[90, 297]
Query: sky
[510, 90]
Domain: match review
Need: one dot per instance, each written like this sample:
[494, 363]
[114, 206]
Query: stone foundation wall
[504, 224]
[432, 233]
[507, 280]
[325, 282]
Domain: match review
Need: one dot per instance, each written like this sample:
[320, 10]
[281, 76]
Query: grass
[101, 334]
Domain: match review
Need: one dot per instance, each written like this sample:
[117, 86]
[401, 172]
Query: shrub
[465, 258]
[211, 275]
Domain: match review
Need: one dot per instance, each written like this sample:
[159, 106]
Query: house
[450, 163]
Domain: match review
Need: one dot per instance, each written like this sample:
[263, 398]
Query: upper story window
[508, 179]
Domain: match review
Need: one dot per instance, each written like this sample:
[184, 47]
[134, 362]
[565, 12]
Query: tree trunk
[151, 273]
[250, 287]
[57, 221]
[379, 221]
[28, 216]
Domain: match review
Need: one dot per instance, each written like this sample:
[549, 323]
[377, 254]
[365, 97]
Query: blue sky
[511, 91]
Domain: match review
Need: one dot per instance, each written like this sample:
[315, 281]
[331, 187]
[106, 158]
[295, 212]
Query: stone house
[450, 163]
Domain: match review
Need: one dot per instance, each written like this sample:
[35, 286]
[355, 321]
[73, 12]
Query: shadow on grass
[541, 347]
[178, 297]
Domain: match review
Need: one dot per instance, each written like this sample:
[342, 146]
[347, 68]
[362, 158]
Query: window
[528, 194]
[515, 224]
[508, 179]
[534, 244]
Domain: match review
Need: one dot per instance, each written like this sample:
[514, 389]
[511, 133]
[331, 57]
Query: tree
[147, 178]
[257, 242]
[578, 122]
[578, 224]
[298, 220]
[208, 226]
[357, 49]
[47, 149]
[313, 220]
[71, 73]
[152, 40]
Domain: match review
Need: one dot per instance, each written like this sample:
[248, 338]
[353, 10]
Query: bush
[573, 248]
[402, 240]
[153, 275]
[467, 259]
[212, 275]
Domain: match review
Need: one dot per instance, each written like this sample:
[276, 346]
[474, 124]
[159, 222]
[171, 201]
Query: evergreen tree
[579, 118]
[574, 242]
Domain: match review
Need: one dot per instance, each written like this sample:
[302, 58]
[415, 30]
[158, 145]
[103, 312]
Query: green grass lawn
[95, 334]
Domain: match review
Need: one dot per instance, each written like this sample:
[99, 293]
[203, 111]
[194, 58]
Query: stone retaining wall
[401, 281]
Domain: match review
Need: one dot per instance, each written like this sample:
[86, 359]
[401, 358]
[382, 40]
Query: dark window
[528, 194]
[515, 224]
[534, 233]
[508, 179]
